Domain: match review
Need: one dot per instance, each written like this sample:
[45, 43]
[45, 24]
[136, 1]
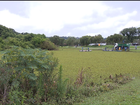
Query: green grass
[101, 63]
[132, 48]
[127, 94]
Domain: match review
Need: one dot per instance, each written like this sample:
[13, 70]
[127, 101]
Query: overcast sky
[70, 18]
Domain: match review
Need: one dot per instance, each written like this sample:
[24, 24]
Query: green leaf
[45, 66]
[33, 67]
[15, 83]
[32, 76]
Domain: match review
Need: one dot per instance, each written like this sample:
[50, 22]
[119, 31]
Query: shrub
[48, 45]
[24, 70]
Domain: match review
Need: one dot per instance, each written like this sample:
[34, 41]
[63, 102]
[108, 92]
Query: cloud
[12, 20]
[68, 34]
[48, 17]
[92, 34]
[52, 16]
[109, 22]
[129, 24]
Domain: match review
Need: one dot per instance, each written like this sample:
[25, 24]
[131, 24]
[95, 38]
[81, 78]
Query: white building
[93, 44]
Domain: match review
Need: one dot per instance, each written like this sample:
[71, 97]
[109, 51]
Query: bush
[48, 45]
[25, 70]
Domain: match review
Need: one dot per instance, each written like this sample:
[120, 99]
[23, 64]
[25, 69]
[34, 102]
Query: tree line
[127, 35]
[9, 37]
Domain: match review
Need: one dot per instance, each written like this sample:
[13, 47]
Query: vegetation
[101, 63]
[116, 38]
[9, 38]
[127, 94]
[130, 33]
[34, 79]
[23, 73]
[30, 74]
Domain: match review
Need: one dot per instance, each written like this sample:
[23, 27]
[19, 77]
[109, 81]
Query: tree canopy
[9, 37]
[130, 33]
[116, 38]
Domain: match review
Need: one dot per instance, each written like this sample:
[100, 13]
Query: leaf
[33, 67]
[19, 68]
[15, 83]
[45, 66]
[32, 76]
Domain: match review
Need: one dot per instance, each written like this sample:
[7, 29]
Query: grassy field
[98, 62]
[127, 94]
[104, 63]
[101, 63]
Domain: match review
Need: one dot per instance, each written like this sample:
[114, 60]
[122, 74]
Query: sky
[70, 18]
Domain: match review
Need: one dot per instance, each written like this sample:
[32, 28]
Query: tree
[28, 37]
[138, 32]
[70, 41]
[116, 38]
[61, 41]
[96, 39]
[85, 40]
[9, 38]
[77, 41]
[55, 39]
[37, 40]
[92, 39]
[130, 33]
[6, 32]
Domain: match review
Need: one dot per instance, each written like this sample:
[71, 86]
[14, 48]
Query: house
[96, 44]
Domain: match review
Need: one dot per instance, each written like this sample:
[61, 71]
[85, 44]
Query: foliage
[9, 37]
[28, 37]
[61, 86]
[55, 39]
[130, 33]
[127, 94]
[61, 42]
[84, 86]
[69, 41]
[37, 40]
[96, 39]
[85, 40]
[48, 45]
[21, 69]
[6, 32]
[33, 80]
[116, 38]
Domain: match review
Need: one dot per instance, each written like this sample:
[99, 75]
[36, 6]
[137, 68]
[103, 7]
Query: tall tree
[55, 39]
[116, 38]
[61, 41]
[96, 39]
[85, 40]
[138, 31]
[130, 33]
[77, 41]
[70, 41]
